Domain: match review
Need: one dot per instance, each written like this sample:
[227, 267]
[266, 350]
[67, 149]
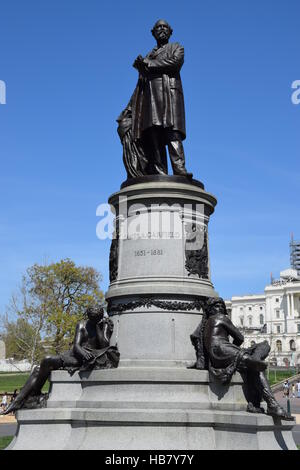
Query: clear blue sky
[67, 67]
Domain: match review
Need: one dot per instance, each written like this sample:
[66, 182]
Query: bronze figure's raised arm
[155, 115]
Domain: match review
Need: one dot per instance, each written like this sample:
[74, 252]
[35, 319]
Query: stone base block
[147, 408]
[119, 429]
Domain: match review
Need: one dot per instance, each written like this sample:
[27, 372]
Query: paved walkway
[294, 403]
[7, 419]
[8, 429]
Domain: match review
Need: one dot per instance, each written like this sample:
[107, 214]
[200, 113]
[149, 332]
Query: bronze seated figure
[216, 353]
[91, 350]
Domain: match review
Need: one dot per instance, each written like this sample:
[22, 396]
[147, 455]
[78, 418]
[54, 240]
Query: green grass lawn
[11, 381]
[278, 376]
[5, 441]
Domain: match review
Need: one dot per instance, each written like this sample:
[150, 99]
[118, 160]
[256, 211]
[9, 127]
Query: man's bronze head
[95, 313]
[162, 31]
[215, 306]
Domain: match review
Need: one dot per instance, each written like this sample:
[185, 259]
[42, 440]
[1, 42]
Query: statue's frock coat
[158, 99]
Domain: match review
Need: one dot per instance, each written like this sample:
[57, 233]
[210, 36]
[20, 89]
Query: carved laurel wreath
[163, 304]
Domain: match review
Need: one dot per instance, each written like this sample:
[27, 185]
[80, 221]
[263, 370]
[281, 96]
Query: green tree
[22, 341]
[53, 298]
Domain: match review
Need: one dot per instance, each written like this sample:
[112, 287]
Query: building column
[292, 305]
[288, 304]
[268, 317]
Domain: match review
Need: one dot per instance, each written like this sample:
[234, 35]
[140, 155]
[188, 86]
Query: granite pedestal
[159, 276]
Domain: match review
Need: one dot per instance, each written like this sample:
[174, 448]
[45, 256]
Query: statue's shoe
[279, 412]
[196, 365]
[254, 409]
[14, 406]
[8, 410]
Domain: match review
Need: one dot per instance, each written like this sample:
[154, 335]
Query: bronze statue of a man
[155, 115]
[91, 350]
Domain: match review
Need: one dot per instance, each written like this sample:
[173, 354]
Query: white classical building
[273, 316]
